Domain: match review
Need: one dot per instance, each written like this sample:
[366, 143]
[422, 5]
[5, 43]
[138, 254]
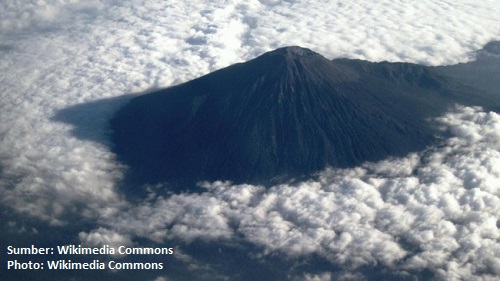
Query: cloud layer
[437, 211]
[433, 211]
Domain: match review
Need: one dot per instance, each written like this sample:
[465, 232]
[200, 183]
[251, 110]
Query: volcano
[286, 114]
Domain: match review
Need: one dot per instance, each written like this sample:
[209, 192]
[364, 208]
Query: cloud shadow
[90, 120]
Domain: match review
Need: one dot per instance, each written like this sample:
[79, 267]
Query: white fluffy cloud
[437, 210]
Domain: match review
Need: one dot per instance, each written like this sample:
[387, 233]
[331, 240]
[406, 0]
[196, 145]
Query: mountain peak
[294, 51]
[272, 119]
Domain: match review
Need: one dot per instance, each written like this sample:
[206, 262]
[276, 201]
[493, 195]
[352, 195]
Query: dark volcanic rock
[483, 73]
[287, 113]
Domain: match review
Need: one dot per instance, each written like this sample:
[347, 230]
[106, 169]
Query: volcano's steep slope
[287, 113]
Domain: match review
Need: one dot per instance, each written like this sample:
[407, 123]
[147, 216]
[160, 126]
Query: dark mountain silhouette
[483, 73]
[285, 114]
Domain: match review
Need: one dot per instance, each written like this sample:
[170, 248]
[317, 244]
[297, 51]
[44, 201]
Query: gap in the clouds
[239, 260]
[244, 261]
[18, 230]
[6, 48]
